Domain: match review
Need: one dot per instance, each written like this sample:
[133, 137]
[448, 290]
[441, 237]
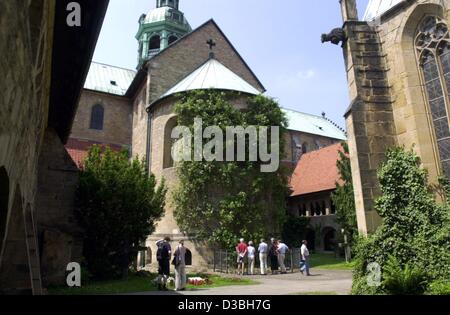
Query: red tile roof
[78, 149]
[316, 171]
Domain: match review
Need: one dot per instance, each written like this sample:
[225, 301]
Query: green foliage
[118, 203]
[441, 287]
[294, 230]
[415, 228]
[405, 280]
[223, 201]
[343, 197]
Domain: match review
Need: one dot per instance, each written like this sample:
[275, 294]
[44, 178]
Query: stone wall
[117, 126]
[60, 238]
[389, 105]
[25, 68]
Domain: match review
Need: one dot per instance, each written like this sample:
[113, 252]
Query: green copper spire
[159, 28]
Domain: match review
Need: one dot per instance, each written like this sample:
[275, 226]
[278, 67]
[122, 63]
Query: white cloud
[307, 74]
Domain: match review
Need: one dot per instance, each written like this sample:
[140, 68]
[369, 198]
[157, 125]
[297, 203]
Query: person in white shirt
[251, 258]
[304, 264]
[282, 251]
[263, 249]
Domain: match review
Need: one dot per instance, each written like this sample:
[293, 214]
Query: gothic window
[97, 117]
[433, 50]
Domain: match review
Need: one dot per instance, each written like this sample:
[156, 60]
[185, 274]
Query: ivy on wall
[220, 202]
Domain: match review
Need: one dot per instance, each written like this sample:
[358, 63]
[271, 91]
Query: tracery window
[433, 50]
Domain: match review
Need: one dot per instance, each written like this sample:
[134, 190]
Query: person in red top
[241, 251]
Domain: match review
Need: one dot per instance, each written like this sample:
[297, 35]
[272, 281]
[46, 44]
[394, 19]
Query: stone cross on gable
[211, 43]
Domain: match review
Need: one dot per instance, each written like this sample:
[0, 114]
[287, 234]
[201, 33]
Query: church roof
[313, 124]
[109, 79]
[212, 75]
[376, 8]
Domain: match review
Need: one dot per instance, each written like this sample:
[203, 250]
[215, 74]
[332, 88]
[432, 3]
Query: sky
[279, 40]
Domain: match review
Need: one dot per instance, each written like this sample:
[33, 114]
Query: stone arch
[154, 43]
[311, 238]
[14, 265]
[329, 238]
[169, 142]
[4, 202]
[172, 39]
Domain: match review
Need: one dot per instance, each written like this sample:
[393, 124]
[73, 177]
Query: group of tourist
[163, 255]
[275, 253]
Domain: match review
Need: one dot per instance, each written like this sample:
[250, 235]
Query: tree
[343, 197]
[222, 201]
[415, 232]
[118, 204]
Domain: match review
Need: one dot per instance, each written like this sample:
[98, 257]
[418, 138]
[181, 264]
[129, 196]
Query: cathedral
[398, 68]
[133, 109]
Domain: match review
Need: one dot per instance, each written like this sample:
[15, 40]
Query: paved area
[325, 281]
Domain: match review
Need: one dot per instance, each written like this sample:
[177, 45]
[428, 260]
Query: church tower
[160, 28]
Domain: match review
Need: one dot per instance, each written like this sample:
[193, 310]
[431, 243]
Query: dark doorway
[311, 239]
[188, 257]
[4, 198]
[329, 240]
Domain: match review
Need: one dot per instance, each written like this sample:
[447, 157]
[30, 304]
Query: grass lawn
[329, 262]
[141, 283]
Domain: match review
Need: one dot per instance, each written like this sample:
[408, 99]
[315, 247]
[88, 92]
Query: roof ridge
[304, 113]
[112, 66]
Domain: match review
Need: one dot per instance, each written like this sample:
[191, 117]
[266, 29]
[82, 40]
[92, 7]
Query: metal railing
[226, 261]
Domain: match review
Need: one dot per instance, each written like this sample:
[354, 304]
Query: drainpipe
[149, 141]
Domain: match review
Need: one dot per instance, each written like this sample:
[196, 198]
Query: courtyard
[322, 282]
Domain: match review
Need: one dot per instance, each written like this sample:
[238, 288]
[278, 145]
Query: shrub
[118, 204]
[415, 228]
[403, 281]
[441, 287]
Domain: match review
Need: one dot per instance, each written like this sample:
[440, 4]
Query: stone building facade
[311, 196]
[397, 68]
[40, 90]
[146, 98]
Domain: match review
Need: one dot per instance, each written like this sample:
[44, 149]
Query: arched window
[97, 117]
[169, 143]
[172, 39]
[432, 44]
[305, 148]
[155, 43]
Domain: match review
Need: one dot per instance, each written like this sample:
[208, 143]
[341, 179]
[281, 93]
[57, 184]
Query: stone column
[328, 207]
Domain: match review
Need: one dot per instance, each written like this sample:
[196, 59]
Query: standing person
[282, 251]
[273, 256]
[241, 251]
[179, 261]
[263, 249]
[251, 258]
[163, 255]
[304, 264]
